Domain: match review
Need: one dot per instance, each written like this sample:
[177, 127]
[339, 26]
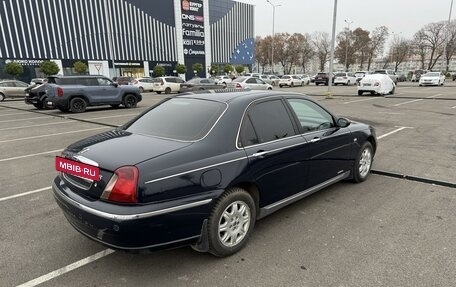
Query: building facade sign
[193, 33]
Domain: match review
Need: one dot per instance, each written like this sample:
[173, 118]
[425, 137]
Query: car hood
[113, 149]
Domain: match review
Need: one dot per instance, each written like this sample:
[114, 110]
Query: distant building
[125, 37]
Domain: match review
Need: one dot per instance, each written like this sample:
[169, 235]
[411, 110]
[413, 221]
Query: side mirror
[115, 85]
[343, 122]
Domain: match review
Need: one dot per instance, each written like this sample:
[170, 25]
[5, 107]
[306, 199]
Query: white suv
[344, 78]
[222, 80]
[167, 84]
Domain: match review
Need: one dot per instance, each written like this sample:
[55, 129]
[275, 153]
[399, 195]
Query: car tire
[269, 88]
[292, 85]
[168, 90]
[348, 83]
[130, 101]
[2, 97]
[363, 162]
[141, 90]
[280, 86]
[159, 93]
[360, 93]
[78, 105]
[231, 222]
[392, 91]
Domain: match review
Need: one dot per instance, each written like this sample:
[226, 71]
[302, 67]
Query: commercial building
[125, 37]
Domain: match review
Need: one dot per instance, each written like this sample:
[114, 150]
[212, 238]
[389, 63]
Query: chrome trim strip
[264, 211]
[193, 170]
[123, 217]
[77, 184]
[277, 149]
[85, 160]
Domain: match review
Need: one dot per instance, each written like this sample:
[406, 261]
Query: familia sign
[193, 28]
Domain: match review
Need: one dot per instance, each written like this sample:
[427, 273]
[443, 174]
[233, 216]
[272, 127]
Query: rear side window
[186, 119]
[269, 121]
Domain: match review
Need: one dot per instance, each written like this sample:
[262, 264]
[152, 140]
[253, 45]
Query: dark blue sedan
[200, 169]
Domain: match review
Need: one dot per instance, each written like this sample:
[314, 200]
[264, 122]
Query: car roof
[228, 96]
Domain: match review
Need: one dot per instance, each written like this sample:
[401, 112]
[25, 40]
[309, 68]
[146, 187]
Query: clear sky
[403, 17]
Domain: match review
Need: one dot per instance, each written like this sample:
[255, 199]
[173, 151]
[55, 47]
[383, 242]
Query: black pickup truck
[76, 93]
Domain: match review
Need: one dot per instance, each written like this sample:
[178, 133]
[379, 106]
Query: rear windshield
[179, 119]
[380, 72]
[285, 77]
[341, 75]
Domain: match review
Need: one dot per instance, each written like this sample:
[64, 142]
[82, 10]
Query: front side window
[311, 116]
[265, 122]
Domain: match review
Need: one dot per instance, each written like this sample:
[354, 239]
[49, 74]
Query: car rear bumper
[158, 228]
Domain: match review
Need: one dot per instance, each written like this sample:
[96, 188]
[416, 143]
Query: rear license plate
[77, 168]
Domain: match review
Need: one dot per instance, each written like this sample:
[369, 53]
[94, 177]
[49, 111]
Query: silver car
[249, 83]
[12, 89]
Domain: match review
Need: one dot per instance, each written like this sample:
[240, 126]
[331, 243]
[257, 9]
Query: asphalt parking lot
[395, 229]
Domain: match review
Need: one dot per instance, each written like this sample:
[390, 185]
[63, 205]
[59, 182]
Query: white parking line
[51, 135]
[13, 114]
[24, 193]
[68, 268]
[453, 107]
[29, 155]
[408, 102]
[362, 100]
[417, 100]
[40, 125]
[434, 96]
[44, 117]
[392, 132]
[110, 117]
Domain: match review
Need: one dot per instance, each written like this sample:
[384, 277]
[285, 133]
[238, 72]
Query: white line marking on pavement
[66, 269]
[362, 100]
[392, 132]
[390, 113]
[29, 155]
[44, 117]
[453, 107]
[434, 96]
[40, 125]
[408, 102]
[24, 193]
[13, 114]
[109, 117]
[50, 135]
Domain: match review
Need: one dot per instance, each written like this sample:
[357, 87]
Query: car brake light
[377, 84]
[238, 86]
[123, 185]
[60, 92]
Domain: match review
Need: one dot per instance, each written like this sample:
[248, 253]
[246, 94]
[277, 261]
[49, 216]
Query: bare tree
[420, 48]
[263, 52]
[433, 36]
[361, 45]
[322, 47]
[345, 51]
[307, 51]
[399, 51]
[450, 43]
[376, 45]
[281, 51]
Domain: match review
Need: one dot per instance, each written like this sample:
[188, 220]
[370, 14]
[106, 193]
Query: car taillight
[377, 84]
[123, 185]
[60, 92]
[238, 86]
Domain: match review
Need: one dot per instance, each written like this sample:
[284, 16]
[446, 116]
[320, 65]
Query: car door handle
[314, 140]
[260, 153]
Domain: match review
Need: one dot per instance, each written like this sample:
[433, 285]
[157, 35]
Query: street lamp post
[446, 39]
[346, 44]
[333, 40]
[273, 33]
